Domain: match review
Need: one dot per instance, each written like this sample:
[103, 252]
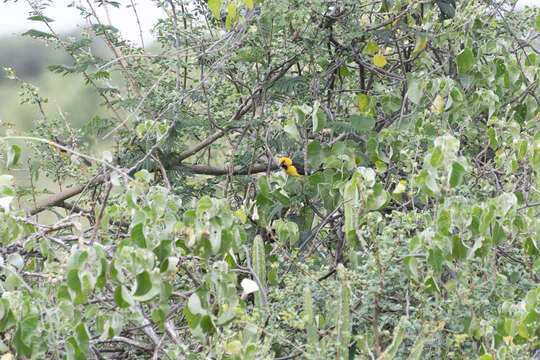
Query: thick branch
[224, 170]
[58, 199]
[209, 140]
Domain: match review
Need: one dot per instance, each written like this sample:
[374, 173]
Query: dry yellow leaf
[379, 60]
[437, 106]
[460, 338]
[234, 347]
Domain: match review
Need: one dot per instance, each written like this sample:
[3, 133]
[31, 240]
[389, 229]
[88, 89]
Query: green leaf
[231, 16]
[436, 157]
[83, 337]
[231, 11]
[73, 280]
[344, 71]
[205, 203]
[38, 34]
[13, 155]
[465, 60]
[3, 309]
[144, 284]
[28, 326]
[485, 357]
[319, 120]
[420, 44]
[430, 285]
[3, 347]
[169, 265]
[498, 233]
[506, 201]
[459, 250]
[76, 45]
[436, 259]
[362, 101]
[447, 7]
[415, 91]
[16, 260]
[122, 297]
[537, 26]
[443, 222]
[226, 241]
[159, 316]
[378, 199]
[287, 230]
[214, 6]
[411, 270]
[372, 147]
[22, 336]
[148, 286]
[292, 131]
[493, 143]
[299, 115]
[428, 183]
[273, 277]
[522, 330]
[263, 185]
[371, 48]
[293, 232]
[207, 325]
[194, 305]
[316, 153]
[137, 235]
[522, 151]
[390, 104]
[42, 18]
[74, 352]
[131, 199]
[362, 123]
[531, 247]
[456, 175]
[281, 197]
[486, 219]
[189, 217]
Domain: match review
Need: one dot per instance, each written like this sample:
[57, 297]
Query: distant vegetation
[29, 58]
[275, 179]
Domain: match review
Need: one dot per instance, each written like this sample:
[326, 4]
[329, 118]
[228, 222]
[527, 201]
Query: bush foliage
[414, 233]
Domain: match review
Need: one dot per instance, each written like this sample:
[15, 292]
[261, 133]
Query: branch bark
[58, 199]
[224, 170]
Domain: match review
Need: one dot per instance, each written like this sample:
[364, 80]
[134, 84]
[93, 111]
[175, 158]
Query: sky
[13, 15]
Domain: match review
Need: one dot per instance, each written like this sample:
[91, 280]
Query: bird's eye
[284, 166]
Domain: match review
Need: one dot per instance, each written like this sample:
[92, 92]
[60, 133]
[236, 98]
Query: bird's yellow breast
[288, 167]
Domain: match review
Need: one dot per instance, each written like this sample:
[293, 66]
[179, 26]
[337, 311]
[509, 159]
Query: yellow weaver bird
[287, 165]
[65, 153]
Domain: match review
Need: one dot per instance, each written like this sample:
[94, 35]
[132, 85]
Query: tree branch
[58, 199]
[224, 170]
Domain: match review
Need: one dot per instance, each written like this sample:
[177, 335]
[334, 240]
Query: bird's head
[285, 162]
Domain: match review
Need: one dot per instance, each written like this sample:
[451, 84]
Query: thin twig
[100, 216]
